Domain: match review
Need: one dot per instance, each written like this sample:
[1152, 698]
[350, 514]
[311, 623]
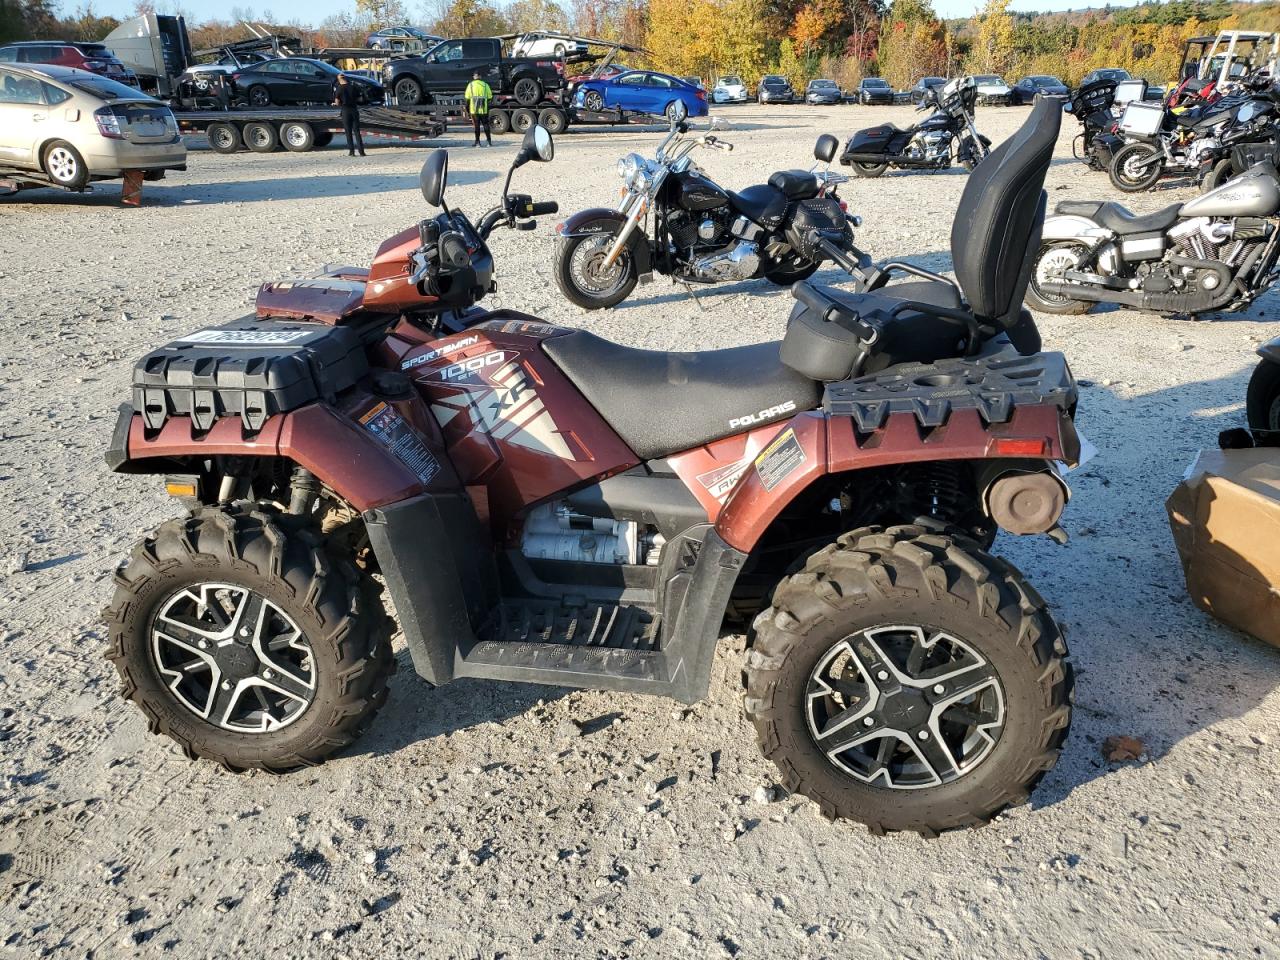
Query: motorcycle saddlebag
[871, 144]
[822, 214]
[249, 368]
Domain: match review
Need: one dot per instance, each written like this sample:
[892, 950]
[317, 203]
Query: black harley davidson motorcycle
[703, 233]
[945, 134]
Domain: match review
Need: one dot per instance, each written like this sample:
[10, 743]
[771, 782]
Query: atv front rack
[993, 385]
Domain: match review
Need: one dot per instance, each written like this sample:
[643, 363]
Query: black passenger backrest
[997, 227]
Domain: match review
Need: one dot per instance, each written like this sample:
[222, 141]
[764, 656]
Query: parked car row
[94, 57]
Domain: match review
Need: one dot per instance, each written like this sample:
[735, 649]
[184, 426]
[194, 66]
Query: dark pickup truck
[447, 68]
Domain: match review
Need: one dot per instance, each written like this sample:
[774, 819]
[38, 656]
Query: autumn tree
[525, 15]
[994, 49]
[382, 13]
[913, 43]
[469, 18]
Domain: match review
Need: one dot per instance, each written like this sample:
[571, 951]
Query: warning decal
[779, 459]
[395, 433]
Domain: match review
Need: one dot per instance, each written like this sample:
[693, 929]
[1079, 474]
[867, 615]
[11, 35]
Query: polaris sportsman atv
[546, 506]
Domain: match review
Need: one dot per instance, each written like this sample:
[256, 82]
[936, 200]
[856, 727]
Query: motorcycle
[1091, 104]
[1252, 138]
[1168, 141]
[931, 144]
[1216, 252]
[544, 506]
[702, 232]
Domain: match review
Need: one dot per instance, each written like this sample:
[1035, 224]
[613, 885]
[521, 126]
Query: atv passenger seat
[994, 238]
[662, 403]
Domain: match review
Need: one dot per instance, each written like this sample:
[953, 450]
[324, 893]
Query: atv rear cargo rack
[993, 385]
[249, 368]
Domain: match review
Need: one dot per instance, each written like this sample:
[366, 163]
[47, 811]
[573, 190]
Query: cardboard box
[1225, 517]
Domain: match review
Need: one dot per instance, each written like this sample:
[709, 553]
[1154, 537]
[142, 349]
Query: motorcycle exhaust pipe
[1026, 502]
[1194, 301]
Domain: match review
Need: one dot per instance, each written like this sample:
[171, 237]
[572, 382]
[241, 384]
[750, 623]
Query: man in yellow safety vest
[477, 97]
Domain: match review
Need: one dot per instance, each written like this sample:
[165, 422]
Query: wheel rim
[259, 137]
[295, 136]
[522, 123]
[233, 658]
[525, 90]
[1273, 415]
[904, 707]
[1134, 168]
[594, 102]
[259, 97]
[1049, 269]
[589, 273]
[406, 90]
[221, 137]
[63, 164]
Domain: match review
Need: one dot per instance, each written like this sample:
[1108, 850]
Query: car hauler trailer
[304, 128]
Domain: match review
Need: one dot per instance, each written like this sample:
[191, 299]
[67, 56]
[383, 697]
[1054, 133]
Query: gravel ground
[487, 820]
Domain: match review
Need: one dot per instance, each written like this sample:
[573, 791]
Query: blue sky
[312, 11]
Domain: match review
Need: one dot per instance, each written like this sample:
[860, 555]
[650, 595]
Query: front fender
[1270, 350]
[602, 220]
[345, 458]
[1066, 226]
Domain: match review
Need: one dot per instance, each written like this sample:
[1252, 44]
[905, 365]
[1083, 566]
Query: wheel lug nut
[939, 688]
[226, 684]
[923, 734]
[204, 644]
[882, 675]
[244, 632]
[868, 722]
[267, 675]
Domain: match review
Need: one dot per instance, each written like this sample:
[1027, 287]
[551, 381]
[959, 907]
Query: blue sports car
[642, 91]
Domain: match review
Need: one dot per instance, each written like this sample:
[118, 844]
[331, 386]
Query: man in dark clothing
[344, 96]
[477, 97]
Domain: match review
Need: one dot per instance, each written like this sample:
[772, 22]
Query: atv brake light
[1019, 447]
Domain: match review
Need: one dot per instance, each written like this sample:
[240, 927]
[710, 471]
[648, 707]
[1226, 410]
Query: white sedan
[730, 90]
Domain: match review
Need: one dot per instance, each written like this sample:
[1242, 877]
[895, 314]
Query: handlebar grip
[542, 208]
[812, 298]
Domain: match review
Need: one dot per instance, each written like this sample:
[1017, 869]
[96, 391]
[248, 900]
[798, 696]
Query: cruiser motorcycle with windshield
[702, 232]
[544, 506]
[1216, 252]
[946, 134]
[1092, 104]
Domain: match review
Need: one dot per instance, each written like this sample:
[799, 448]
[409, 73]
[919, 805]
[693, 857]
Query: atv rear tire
[319, 648]
[913, 594]
[1263, 398]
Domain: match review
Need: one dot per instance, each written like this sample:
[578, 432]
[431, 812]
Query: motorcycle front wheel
[583, 277]
[1136, 167]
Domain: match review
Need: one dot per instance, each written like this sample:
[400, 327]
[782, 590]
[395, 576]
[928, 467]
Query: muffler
[1026, 503]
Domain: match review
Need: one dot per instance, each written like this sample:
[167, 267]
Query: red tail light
[1019, 447]
[702, 94]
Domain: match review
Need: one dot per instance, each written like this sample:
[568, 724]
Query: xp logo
[467, 369]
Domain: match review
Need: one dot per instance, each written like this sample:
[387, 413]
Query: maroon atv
[546, 506]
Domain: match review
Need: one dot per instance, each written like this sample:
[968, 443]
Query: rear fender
[812, 445]
[1270, 350]
[1066, 226]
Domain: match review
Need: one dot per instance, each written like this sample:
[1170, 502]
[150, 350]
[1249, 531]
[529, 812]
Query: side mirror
[825, 149]
[435, 171]
[539, 144]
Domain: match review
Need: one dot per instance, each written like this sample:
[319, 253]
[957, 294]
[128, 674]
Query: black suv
[925, 84]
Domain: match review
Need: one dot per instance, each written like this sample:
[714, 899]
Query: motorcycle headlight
[629, 165]
[640, 181]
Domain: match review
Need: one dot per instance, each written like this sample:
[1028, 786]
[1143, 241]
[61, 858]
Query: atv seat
[834, 334]
[795, 184]
[1115, 217]
[762, 203]
[663, 403]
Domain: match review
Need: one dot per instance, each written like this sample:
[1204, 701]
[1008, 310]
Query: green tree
[995, 48]
[383, 13]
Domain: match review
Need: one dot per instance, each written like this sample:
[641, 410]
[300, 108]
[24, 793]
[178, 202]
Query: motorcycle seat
[663, 403]
[762, 203]
[795, 184]
[1115, 217]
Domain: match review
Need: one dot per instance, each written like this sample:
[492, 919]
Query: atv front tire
[244, 642]
[1263, 399]
[910, 681]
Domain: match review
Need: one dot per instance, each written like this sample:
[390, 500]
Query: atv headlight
[629, 165]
